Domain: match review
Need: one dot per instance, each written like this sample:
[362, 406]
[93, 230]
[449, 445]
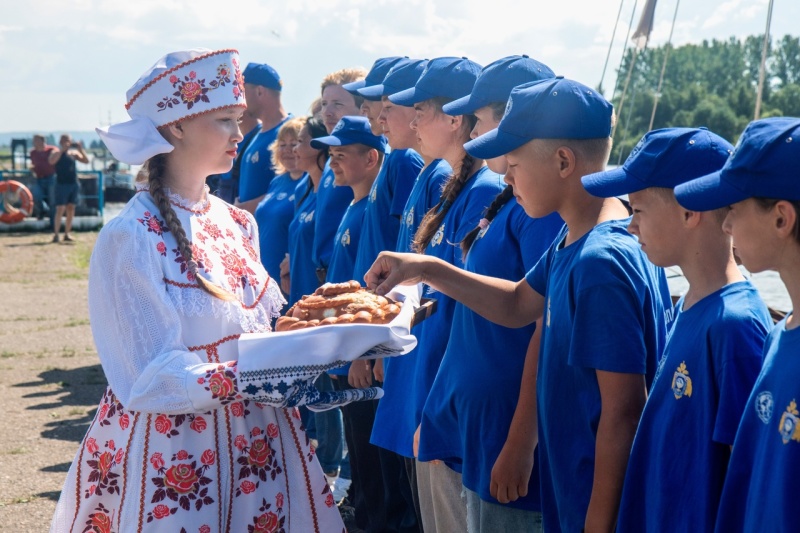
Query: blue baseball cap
[448, 77]
[663, 158]
[496, 81]
[375, 76]
[262, 74]
[557, 108]
[403, 75]
[351, 130]
[764, 164]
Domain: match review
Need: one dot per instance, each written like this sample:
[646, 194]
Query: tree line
[711, 84]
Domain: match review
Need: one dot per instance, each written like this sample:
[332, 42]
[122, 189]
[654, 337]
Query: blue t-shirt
[424, 195]
[273, 216]
[345, 248]
[762, 485]
[682, 447]
[332, 202]
[473, 398]
[387, 198]
[408, 379]
[256, 171]
[606, 308]
[301, 237]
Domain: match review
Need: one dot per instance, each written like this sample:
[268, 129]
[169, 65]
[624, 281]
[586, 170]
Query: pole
[663, 67]
[611, 44]
[761, 68]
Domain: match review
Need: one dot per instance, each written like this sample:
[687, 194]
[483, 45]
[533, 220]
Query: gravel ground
[51, 379]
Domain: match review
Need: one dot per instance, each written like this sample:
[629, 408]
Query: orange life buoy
[13, 193]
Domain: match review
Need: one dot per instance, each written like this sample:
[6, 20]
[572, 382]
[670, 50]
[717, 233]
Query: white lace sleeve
[136, 328]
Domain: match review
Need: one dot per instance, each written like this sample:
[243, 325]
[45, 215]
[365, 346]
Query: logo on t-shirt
[281, 196]
[681, 382]
[345, 240]
[254, 157]
[410, 217]
[764, 405]
[789, 428]
[328, 182]
[438, 236]
[306, 217]
[269, 196]
[373, 194]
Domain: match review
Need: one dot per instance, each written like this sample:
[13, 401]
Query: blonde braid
[155, 170]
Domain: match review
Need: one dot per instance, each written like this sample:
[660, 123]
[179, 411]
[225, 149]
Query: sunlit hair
[346, 75]
[452, 187]
[290, 130]
[316, 107]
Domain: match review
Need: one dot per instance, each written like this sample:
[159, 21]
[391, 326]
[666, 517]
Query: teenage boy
[371, 105]
[594, 364]
[713, 353]
[262, 88]
[356, 157]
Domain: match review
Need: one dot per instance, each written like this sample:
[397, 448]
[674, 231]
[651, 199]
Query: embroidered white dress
[174, 445]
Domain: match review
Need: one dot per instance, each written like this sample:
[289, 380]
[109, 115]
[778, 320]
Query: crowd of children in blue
[556, 387]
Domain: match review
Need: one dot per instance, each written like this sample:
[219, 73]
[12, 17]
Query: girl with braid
[182, 439]
[492, 435]
[465, 196]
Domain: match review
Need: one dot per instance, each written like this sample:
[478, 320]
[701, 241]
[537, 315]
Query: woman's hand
[391, 269]
[360, 374]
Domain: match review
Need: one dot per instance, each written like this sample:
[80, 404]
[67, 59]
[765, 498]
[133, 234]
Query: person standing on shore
[67, 186]
[45, 173]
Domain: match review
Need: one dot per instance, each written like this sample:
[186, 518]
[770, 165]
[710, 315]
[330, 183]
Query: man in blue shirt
[681, 451]
[593, 363]
[262, 88]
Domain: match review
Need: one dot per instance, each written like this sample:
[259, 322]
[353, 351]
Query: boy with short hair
[594, 365]
[680, 454]
[356, 157]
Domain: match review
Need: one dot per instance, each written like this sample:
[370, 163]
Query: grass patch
[7, 354]
[80, 256]
[74, 275]
[77, 322]
[76, 411]
[17, 451]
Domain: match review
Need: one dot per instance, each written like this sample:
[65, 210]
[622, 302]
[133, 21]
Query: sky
[67, 64]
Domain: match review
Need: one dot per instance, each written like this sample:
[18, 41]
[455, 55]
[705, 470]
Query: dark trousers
[367, 489]
[410, 466]
[401, 516]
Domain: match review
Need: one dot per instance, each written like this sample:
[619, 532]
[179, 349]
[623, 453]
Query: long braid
[156, 167]
[499, 201]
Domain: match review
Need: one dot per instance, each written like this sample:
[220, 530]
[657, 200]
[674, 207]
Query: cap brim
[494, 144]
[614, 182]
[321, 142]
[409, 97]
[373, 92]
[353, 87]
[462, 106]
[707, 193]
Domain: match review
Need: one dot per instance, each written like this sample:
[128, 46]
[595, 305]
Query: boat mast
[667, 48]
[761, 68]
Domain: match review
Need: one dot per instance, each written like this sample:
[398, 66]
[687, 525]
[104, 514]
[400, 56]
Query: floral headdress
[179, 86]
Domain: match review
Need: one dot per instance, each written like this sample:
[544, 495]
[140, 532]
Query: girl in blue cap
[761, 184]
[464, 198]
[499, 473]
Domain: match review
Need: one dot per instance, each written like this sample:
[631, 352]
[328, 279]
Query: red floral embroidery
[221, 383]
[99, 521]
[210, 229]
[239, 216]
[208, 458]
[124, 421]
[247, 487]
[184, 265]
[279, 500]
[161, 511]
[153, 224]
[183, 483]
[204, 529]
[248, 247]
[238, 86]
[257, 460]
[236, 268]
[240, 442]
[162, 248]
[272, 431]
[182, 455]
[237, 409]
[91, 445]
[201, 258]
[198, 424]
[329, 500]
[164, 425]
[157, 461]
[201, 237]
[168, 424]
[267, 521]
[102, 464]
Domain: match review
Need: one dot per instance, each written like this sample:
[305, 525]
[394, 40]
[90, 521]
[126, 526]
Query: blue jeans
[44, 194]
[330, 432]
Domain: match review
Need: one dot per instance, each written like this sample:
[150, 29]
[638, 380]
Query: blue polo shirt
[386, 201]
[762, 485]
[606, 308]
[256, 172]
[273, 216]
[476, 390]
[301, 237]
[332, 202]
[345, 248]
[408, 379]
[424, 195]
[682, 447]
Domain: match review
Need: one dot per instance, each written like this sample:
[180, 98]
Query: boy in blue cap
[371, 105]
[262, 88]
[713, 353]
[356, 157]
[761, 185]
[594, 365]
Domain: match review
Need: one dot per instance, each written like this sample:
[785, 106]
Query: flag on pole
[642, 33]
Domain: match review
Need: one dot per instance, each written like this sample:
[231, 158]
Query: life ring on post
[13, 193]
